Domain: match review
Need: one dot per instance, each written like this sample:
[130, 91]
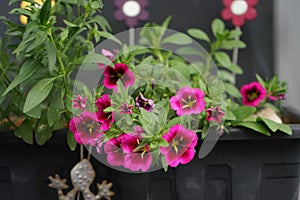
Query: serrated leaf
[25, 131]
[198, 34]
[254, 126]
[71, 141]
[38, 93]
[232, 90]
[243, 112]
[177, 38]
[217, 26]
[223, 59]
[26, 71]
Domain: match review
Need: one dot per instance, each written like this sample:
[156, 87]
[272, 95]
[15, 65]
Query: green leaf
[235, 33]
[34, 112]
[45, 12]
[260, 80]
[109, 109]
[229, 45]
[51, 53]
[180, 67]
[232, 90]
[223, 59]
[172, 122]
[243, 112]
[198, 34]
[226, 76]
[70, 24]
[230, 116]
[42, 132]
[110, 37]
[273, 126]
[52, 115]
[38, 93]
[188, 51]
[25, 131]
[254, 126]
[26, 71]
[71, 141]
[286, 129]
[177, 38]
[217, 26]
[234, 68]
[2, 89]
[39, 39]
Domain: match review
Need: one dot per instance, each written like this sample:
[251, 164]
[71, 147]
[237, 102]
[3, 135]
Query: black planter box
[243, 166]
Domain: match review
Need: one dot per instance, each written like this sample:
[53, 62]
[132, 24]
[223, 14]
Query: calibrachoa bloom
[239, 10]
[188, 101]
[86, 128]
[214, 114]
[126, 109]
[106, 118]
[131, 11]
[181, 145]
[79, 102]
[276, 98]
[145, 103]
[121, 72]
[109, 54]
[114, 151]
[135, 160]
[253, 94]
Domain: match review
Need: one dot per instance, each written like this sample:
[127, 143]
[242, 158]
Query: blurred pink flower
[188, 101]
[214, 114]
[108, 54]
[181, 145]
[253, 94]
[79, 102]
[106, 118]
[114, 151]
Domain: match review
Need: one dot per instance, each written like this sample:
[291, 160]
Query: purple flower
[79, 102]
[145, 103]
[114, 151]
[121, 72]
[126, 109]
[140, 159]
[106, 118]
[109, 54]
[181, 145]
[86, 128]
[131, 11]
[188, 101]
[253, 94]
[214, 114]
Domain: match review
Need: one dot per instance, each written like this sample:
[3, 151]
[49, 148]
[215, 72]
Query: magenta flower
[126, 109]
[239, 10]
[276, 98]
[109, 54]
[86, 128]
[145, 103]
[114, 151]
[106, 118]
[121, 72]
[253, 94]
[188, 101]
[214, 114]
[140, 159]
[181, 145]
[79, 102]
[131, 11]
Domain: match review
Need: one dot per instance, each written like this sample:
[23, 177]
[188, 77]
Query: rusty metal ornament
[82, 176]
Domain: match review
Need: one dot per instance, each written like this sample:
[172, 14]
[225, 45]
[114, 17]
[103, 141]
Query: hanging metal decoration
[82, 176]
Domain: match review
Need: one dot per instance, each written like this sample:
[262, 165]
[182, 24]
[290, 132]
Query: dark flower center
[189, 102]
[89, 127]
[253, 94]
[176, 144]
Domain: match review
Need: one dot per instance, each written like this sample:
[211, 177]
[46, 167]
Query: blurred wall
[287, 51]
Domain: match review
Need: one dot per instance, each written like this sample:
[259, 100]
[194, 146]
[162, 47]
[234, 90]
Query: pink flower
[86, 128]
[276, 98]
[106, 118]
[114, 151]
[253, 94]
[214, 114]
[181, 145]
[239, 10]
[119, 72]
[140, 159]
[126, 109]
[145, 103]
[79, 102]
[109, 54]
[188, 101]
